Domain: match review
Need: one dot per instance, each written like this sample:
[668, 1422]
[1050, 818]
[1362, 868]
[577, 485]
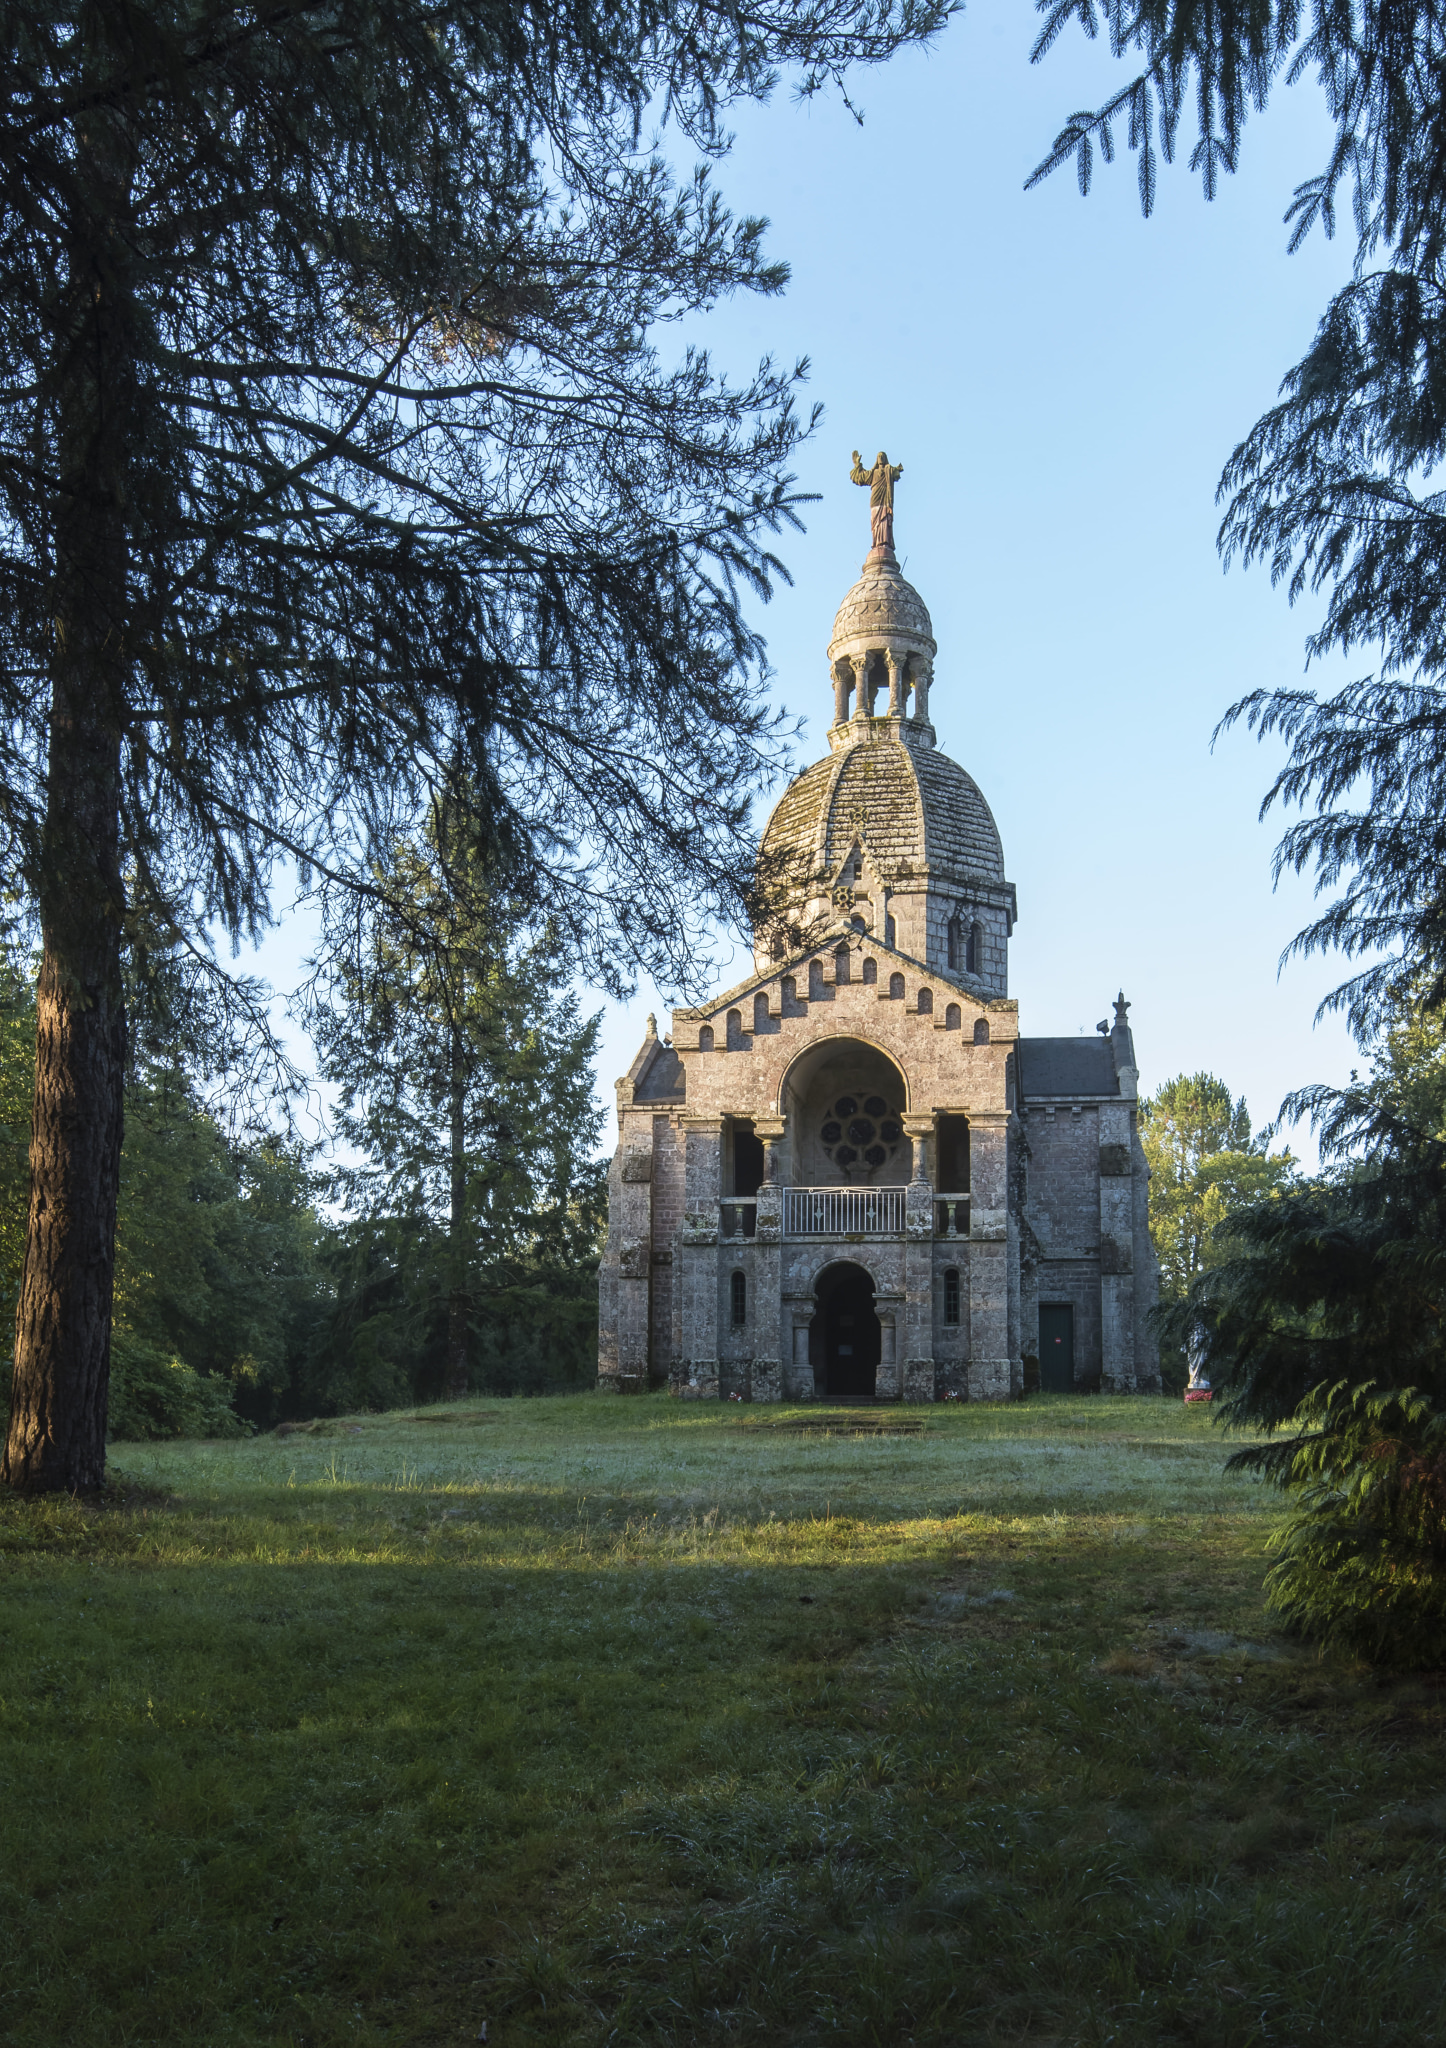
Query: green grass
[624, 1721]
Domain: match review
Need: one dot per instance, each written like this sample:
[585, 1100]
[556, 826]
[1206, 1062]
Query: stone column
[771, 1342]
[990, 1374]
[842, 683]
[896, 683]
[635, 1257]
[702, 1188]
[916, 1352]
[923, 676]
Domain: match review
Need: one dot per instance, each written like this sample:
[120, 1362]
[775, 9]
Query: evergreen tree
[1204, 1164]
[336, 453]
[466, 1077]
[1326, 1324]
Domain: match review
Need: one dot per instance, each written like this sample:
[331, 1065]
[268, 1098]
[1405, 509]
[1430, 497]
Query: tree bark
[457, 1301]
[56, 1437]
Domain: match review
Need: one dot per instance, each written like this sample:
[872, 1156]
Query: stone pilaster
[635, 1257]
[915, 1370]
[1117, 1250]
[770, 1340]
[991, 1374]
[697, 1373]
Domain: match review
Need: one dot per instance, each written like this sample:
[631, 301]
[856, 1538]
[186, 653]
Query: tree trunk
[457, 1301]
[56, 1438]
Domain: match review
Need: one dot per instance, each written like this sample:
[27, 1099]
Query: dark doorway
[1056, 1347]
[848, 1352]
[747, 1159]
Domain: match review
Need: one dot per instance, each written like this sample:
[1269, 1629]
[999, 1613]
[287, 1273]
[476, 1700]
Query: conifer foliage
[336, 452]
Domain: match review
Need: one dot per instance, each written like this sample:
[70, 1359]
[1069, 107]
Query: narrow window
[953, 1017]
[953, 937]
[951, 1294]
[747, 1158]
[926, 1001]
[735, 1031]
[952, 1141]
[871, 970]
[981, 1031]
[740, 1299]
[976, 949]
[705, 1038]
[896, 987]
[841, 964]
[815, 977]
[889, 938]
[760, 1013]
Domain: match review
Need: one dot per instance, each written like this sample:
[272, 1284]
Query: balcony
[843, 1212]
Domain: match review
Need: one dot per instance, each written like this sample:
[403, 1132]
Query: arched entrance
[848, 1342]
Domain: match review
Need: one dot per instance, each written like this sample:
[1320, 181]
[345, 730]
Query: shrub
[155, 1394]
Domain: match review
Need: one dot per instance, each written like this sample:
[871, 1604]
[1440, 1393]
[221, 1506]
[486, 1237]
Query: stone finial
[1121, 1011]
[652, 1025]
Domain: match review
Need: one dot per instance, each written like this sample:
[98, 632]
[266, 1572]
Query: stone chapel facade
[849, 1176]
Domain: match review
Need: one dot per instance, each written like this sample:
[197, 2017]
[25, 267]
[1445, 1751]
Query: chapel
[850, 1176]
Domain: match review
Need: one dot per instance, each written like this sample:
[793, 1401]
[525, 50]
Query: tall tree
[465, 1074]
[338, 466]
[1204, 1164]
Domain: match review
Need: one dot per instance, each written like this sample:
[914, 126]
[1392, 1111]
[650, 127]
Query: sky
[1063, 382]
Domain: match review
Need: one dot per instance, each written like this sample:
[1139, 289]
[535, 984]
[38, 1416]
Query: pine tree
[336, 452]
[466, 1088]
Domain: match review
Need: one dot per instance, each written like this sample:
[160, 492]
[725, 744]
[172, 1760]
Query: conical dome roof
[915, 811]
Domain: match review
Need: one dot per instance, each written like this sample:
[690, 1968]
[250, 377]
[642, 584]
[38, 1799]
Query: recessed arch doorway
[848, 1338]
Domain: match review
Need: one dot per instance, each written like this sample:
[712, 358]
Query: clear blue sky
[1063, 382]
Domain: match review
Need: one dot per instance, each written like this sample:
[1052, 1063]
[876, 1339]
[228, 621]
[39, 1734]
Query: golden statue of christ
[881, 480]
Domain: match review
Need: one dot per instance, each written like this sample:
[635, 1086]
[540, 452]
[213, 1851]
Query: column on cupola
[922, 671]
[896, 683]
[989, 1367]
[842, 684]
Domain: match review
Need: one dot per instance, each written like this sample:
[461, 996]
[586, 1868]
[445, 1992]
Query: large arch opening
[845, 1103]
[847, 1338]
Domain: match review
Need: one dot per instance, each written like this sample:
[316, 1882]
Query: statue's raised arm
[881, 480]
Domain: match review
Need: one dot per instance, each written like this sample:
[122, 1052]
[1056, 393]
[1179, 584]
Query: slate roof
[664, 1079]
[1065, 1067]
[912, 807]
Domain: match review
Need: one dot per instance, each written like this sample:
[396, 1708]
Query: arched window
[815, 978]
[735, 1031]
[953, 1017]
[951, 1294]
[760, 1013]
[896, 987]
[871, 970]
[889, 938]
[739, 1292]
[926, 1001]
[954, 938]
[841, 964]
[976, 949]
[790, 993]
[705, 1038]
[981, 1031]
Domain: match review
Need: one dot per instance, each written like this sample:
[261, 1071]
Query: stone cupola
[886, 834]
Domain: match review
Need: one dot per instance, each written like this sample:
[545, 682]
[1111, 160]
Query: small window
[951, 1294]
[815, 977]
[871, 971]
[735, 1030]
[952, 1154]
[889, 938]
[705, 1038]
[790, 992]
[740, 1299]
[953, 1017]
[954, 939]
[896, 987]
[976, 949]
[981, 1031]
[926, 1002]
[841, 965]
[760, 1013]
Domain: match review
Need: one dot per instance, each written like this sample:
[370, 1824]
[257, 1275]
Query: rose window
[866, 1132]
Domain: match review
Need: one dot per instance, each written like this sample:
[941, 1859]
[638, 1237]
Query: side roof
[1066, 1068]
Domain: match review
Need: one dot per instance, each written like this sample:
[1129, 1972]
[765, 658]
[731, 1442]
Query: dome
[881, 608]
[914, 810]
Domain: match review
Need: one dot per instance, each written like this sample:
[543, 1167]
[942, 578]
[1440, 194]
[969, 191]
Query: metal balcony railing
[843, 1212]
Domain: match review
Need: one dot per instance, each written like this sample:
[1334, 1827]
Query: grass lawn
[624, 1721]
